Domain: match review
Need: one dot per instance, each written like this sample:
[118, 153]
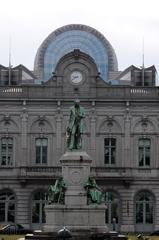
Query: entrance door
[112, 211]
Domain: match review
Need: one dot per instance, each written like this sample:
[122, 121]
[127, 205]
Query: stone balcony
[101, 173]
[49, 92]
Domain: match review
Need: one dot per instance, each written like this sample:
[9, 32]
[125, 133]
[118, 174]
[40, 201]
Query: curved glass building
[70, 37]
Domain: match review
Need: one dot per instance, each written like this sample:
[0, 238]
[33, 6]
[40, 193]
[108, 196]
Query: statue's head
[77, 102]
[60, 178]
[91, 179]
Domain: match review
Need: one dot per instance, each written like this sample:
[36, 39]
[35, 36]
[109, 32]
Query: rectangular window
[110, 150]
[41, 150]
[6, 152]
[144, 152]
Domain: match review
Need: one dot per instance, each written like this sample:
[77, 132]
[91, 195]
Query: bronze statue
[76, 127]
[94, 193]
[56, 192]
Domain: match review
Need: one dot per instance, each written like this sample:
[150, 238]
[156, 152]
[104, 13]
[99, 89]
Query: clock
[76, 77]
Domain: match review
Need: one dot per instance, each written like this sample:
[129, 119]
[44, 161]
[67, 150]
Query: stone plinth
[75, 171]
[85, 217]
[75, 214]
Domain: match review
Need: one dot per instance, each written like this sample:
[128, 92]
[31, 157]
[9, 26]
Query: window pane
[11, 217]
[106, 159]
[38, 142]
[38, 150]
[147, 142]
[10, 147]
[144, 152]
[141, 157]
[6, 151]
[113, 141]
[112, 203]
[149, 213]
[37, 196]
[43, 214]
[7, 207]
[44, 141]
[9, 160]
[144, 208]
[41, 150]
[44, 155]
[11, 206]
[141, 142]
[35, 213]
[113, 156]
[106, 141]
[114, 211]
[10, 141]
[147, 157]
[4, 141]
[3, 148]
[3, 162]
[106, 215]
[2, 212]
[139, 213]
[38, 203]
[110, 150]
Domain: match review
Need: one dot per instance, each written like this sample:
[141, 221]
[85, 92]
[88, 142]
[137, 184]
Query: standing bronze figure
[76, 126]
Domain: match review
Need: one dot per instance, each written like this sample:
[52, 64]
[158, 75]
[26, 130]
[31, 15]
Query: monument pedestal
[75, 218]
[75, 214]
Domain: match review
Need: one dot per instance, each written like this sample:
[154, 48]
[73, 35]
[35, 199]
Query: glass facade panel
[75, 39]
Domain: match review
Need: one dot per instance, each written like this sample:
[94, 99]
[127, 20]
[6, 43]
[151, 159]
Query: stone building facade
[121, 136]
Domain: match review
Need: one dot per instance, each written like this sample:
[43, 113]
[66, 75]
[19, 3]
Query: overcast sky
[123, 22]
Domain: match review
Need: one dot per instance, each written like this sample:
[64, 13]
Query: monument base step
[77, 235]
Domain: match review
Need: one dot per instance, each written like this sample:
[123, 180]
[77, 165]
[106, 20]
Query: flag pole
[10, 66]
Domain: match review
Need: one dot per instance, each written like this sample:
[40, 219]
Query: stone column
[24, 145]
[127, 143]
[58, 130]
[93, 131]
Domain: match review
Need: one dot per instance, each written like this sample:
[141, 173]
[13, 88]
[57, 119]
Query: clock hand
[74, 77]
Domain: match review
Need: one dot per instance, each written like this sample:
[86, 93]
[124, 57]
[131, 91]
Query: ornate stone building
[122, 129]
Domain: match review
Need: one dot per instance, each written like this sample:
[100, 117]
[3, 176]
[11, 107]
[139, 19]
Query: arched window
[7, 207]
[41, 150]
[6, 151]
[112, 211]
[38, 202]
[144, 218]
[144, 208]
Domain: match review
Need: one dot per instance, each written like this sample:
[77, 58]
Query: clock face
[76, 77]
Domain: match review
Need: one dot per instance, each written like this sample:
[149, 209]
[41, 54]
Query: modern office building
[121, 129]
